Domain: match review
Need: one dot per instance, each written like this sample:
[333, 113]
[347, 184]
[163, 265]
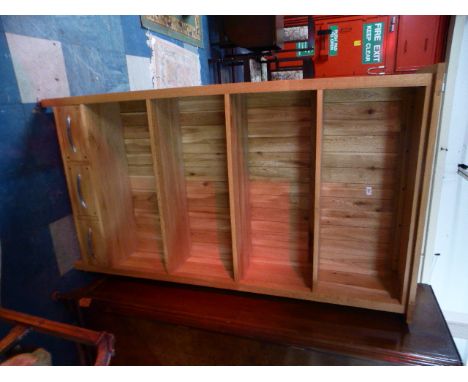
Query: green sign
[333, 45]
[372, 43]
[303, 45]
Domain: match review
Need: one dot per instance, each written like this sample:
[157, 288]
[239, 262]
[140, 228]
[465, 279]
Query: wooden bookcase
[312, 189]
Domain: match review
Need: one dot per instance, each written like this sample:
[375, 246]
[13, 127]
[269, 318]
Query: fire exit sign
[372, 43]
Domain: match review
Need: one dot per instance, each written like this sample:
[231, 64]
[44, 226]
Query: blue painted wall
[32, 184]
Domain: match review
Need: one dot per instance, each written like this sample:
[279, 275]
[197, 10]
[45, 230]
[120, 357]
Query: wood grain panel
[137, 159]
[258, 187]
[198, 118]
[110, 179]
[134, 119]
[217, 146]
[138, 146]
[131, 132]
[382, 177]
[356, 160]
[361, 204]
[279, 129]
[271, 100]
[365, 95]
[196, 134]
[204, 157]
[280, 201]
[280, 227]
[279, 160]
[201, 104]
[279, 113]
[285, 160]
[362, 144]
[362, 127]
[133, 106]
[356, 218]
[166, 149]
[275, 254]
[279, 145]
[199, 188]
[293, 174]
[360, 234]
[147, 183]
[362, 110]
[291, 216]
[145, 200]
[357, 190]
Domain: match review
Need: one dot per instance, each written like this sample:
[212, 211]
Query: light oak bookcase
[311, 189]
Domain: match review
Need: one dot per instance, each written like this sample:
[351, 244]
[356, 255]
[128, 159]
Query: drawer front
[71, 132]
[82, 193]
[92, 244]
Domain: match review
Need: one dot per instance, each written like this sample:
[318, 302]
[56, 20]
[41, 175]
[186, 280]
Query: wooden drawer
[71, 133]
[81, 190]
[92, 243]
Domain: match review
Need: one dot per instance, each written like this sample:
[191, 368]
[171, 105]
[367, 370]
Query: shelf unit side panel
[236, 134]
[409, 250]
[166, 152]
[109, 179]
[315, 191]
[433, 110]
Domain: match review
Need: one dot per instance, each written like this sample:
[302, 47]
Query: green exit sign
[302, 53]
[372, 43]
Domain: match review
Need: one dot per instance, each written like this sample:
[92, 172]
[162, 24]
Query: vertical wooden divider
[166, 151]
[109, 179]
[315, 219]
[236, 140]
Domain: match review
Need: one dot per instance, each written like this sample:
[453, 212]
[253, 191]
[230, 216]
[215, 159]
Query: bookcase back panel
[362, 145]
[203, 137]
[279, 152]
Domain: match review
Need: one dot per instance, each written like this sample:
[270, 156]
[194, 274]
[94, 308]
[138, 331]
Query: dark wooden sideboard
[160, 323]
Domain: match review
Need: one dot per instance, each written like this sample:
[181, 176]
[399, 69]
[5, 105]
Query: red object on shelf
[408, 43]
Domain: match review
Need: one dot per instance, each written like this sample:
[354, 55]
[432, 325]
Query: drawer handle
[69, 134]
[78, 191]
[89, 243]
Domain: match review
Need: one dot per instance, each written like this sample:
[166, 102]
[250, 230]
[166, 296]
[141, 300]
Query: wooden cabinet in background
[312, 189]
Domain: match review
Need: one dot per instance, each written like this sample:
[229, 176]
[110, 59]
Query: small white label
[368, 190]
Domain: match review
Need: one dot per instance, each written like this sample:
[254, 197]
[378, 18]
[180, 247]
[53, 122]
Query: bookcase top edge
[400, 80]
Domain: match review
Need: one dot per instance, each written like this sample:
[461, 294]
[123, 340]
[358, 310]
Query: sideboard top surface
[403, 80]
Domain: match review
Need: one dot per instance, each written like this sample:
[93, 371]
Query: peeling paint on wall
[139, 72]
[173, 66]
[65, 243]
[39, 67]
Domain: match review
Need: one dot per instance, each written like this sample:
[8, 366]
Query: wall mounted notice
[372, 43]
[303, 45]
[333, 46]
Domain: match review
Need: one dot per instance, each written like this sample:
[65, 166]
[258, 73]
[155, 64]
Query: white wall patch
[139, 73]
[173, 66]
[39, 67]
[65, 243]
